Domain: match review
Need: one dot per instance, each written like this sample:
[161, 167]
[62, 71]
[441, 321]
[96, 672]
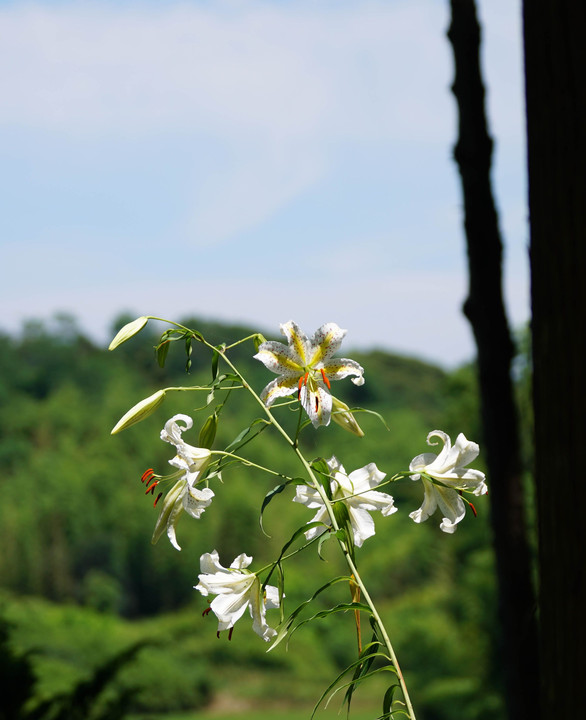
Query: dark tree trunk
[555, 76]
[484, 308]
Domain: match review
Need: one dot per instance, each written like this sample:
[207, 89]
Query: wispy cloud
[365, 70]
[162, 148]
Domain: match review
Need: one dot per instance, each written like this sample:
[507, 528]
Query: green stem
[343, 546]
[318, 487]
[249, 463]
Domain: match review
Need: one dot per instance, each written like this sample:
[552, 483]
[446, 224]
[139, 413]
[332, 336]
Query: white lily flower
[448, 468]
[236, 589]
[306, 366]
[184, 495]
[356, 492]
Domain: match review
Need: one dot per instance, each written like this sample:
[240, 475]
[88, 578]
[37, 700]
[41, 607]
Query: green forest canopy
[76, 524]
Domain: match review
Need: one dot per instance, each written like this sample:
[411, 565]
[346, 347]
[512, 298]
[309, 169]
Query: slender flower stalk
[311, 390]
[335, 526]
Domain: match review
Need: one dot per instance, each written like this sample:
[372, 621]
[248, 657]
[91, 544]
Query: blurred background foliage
[81, 583]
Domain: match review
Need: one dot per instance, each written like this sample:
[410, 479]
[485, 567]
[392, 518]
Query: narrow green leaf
[367, 656]
[197, 335]
[215, 361]
[162, 352]
[342, 514]
[388, 700]
[283, 630]
[322, 472]
[230, 377]
[335, 682]
[300, 531]
[276, 491]
[322, 539]
[340, 607]
[371, 412]
[238, 440]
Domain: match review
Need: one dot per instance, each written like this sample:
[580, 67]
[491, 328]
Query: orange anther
[327, 382]
[151, 487]
[299, 386]
[147, 474]
[473, 509]
[302, 381]
[157, 499]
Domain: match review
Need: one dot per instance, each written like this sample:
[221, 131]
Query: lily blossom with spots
[306, 367]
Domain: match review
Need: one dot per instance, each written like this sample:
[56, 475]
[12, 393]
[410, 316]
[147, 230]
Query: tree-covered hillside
[76, 524]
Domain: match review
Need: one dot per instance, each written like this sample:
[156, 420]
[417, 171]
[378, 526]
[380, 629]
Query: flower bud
[128, 331]
[341, 414]
[170, 506]
[139, 412]
[207, 434]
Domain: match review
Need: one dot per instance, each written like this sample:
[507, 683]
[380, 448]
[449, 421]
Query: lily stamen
[301, 383]
[157, 499]
[325, 377]
[147, 475]
[151, 488]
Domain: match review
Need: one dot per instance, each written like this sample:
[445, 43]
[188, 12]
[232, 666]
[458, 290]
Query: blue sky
[250, 161]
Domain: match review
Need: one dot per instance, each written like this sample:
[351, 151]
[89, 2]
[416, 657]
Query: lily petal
[278, 358]
[325, 342]
[196, 501]
[279, 387]
[317, 404]
[429, 503]
[362, 525]
[339, 368]
[452, 506]
[298, 341]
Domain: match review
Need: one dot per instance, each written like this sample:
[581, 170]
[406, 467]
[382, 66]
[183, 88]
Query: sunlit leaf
[284, 629]
[162, 352]
[322, 472]
[276, 491]
[388, 700]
